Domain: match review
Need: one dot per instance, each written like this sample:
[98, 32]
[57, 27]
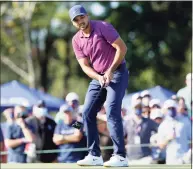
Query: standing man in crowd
[43, 129]
[17, 135]
[68, 137]
[187, 92]
[2, 147]
[174, 134]
[100, 52]
[72, 100]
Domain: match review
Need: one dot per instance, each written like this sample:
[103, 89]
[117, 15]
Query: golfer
[100, 52]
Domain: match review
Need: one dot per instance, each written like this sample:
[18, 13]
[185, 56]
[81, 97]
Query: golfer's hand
[108, 77]
[101, 80]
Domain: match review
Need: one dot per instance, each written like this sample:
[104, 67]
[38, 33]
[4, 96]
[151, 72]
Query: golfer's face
[81, 22]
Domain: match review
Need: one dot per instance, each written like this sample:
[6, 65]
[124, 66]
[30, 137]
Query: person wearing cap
[145, 110]
[182, 111]
[72, 100]
[100, 51]
[17, 135]
[68, 137]
[174, 134]
[187, 92]
[43, 129]
[153, 105]
[3, 158]
[158, 155]
[146, 97]
[157, 115]
[138, 130]
[9, 115]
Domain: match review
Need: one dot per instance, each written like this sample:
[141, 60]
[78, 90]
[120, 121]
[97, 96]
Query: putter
[79, 125]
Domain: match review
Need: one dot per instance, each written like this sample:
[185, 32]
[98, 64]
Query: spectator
[138, 131]
[146, 97]
[136, 97]
[42, 104]
[43, 130]
[174, 134]
[17, 135]
[187, 92]
[68, 137]
[182, 110]
[158, 154]
[2, 147]
[181, 101]
[73, 101]
[157, 116]
[154, 104]
[145, 111]
[9, 115]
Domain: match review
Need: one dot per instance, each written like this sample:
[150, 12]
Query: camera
[21, 115]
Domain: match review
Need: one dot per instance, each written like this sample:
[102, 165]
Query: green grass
[69, 166]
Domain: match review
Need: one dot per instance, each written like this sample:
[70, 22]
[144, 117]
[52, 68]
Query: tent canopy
[15, 93]
[156, 92]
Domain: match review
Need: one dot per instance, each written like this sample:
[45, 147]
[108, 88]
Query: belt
[115, 70]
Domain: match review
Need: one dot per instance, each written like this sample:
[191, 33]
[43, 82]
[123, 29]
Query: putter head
[77, 125]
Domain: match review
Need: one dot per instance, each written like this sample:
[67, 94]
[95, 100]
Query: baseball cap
[76, 10]
[72, 96]
[156, 113]
[169, 103]
[65, 108]
[145, 93]
[136, 96]
[154, 102]
[41, 103]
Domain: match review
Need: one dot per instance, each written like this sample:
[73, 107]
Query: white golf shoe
[91, 160]
[116, 161]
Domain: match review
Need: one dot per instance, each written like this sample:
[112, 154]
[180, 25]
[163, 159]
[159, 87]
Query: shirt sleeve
[57, 129]
[30, 125]
[109, 32]
[77, 49]
[8, 134]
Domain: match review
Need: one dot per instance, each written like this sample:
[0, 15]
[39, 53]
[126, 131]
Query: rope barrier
[82, 149]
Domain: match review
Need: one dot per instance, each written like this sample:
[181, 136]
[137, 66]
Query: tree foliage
[158, 36]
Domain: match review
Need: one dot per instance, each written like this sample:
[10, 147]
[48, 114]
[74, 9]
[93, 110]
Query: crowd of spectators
[155, 132]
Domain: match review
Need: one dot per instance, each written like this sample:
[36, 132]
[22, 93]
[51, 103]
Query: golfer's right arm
[84, 63]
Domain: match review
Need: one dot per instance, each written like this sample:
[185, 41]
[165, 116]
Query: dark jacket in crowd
[44, 134]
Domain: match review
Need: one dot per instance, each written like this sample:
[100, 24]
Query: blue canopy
[156, 92]
[14, 93]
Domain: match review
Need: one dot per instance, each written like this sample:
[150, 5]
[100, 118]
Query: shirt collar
[81, 35]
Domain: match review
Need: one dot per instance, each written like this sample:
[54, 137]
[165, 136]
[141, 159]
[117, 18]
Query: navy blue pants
[113, 95]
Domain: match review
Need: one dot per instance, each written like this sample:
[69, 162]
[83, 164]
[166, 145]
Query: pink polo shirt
[97, 47]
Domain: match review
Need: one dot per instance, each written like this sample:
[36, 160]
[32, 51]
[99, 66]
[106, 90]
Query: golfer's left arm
[121, 50]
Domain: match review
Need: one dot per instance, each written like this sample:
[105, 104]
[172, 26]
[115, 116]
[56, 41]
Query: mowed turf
[69, 166]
